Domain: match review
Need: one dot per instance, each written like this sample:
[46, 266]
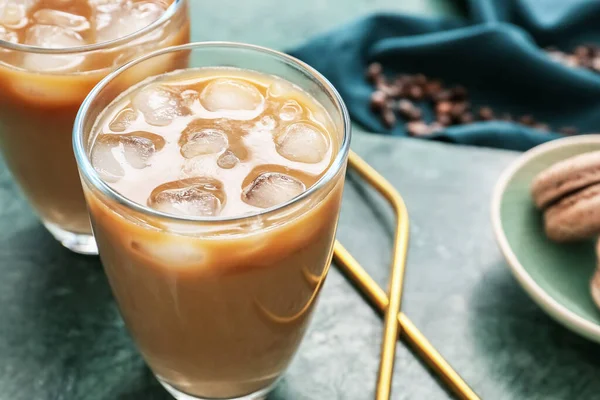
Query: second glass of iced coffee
[52, 53]
[214, 193]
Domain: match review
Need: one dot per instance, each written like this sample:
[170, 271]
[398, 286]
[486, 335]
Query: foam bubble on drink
[123, 120]
[159, 105]
[266, 123]
[231, 95]
[302, 142]
[118, 22]
[193, 197]
[52, 37]
[227, 160]
[63, 19]
[272, 188]
[290, 111]
[13, 13]
[203, 141]
[112, 152]
[279, 88]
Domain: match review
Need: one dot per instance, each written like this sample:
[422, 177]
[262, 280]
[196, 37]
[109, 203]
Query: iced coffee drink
[52, 53]
[214, 193]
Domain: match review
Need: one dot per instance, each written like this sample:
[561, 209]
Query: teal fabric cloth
[495, 51]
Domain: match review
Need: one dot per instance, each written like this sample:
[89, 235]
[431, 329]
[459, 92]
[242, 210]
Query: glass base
[81, 243]
[259, 395]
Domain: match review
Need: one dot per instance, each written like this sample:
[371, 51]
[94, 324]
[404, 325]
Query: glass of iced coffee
[52, 53]
[214, 193]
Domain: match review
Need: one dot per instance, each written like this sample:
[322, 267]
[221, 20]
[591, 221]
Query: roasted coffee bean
[433, 87]
[571, 61]
[459, 93]
[542, 127]
[442, 95]
[466, 118]
[596, 64]
[378, 100]
[418, 128]
[527, 120]
[403, 80]
[408, 110]
[420, 79]
[443, 107]
[568, 130]
[390, 90]
[388, 117]
[458, 109]
[415, 92]
[374, 71]
[587, 63]
[594, 49]
[583, 52]
[444, 119]
[486, 113]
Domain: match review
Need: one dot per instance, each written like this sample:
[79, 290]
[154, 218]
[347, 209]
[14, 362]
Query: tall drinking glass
[47, 68]
[216, 305]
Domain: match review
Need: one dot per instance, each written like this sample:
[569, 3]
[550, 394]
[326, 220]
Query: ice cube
[13, 13]
[230, 95]
[8, 36]
[53, 37]
[227, 160]
[138, 147]
[116, 22]
[104, 160]
[290, 111]
[123, 120]
[160, 105]
[63, 19]
[272, 188]
[106, 5]
[302, 142]
[111, 152]
[172, 250]
[196, 142]
[199, 197]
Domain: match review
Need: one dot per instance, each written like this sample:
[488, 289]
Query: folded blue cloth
[495, 51]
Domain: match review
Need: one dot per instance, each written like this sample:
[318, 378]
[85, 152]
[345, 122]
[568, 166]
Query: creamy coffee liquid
[218, 309]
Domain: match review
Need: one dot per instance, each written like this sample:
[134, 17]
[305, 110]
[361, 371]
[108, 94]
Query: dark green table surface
[61, 337]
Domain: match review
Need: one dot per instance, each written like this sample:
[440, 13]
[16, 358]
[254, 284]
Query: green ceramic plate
[556, 276]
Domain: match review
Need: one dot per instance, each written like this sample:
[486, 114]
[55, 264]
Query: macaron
[564, 177]
[569, 194]
[574, 217]
[595, 281]
[595, 288]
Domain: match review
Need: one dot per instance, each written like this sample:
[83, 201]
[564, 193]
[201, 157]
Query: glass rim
[90, 174]
[169, 12]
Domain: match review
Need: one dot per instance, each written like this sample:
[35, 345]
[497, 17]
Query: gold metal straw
[391, 327]
[351, 268]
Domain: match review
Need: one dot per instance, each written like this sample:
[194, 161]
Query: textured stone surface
[61, 337]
